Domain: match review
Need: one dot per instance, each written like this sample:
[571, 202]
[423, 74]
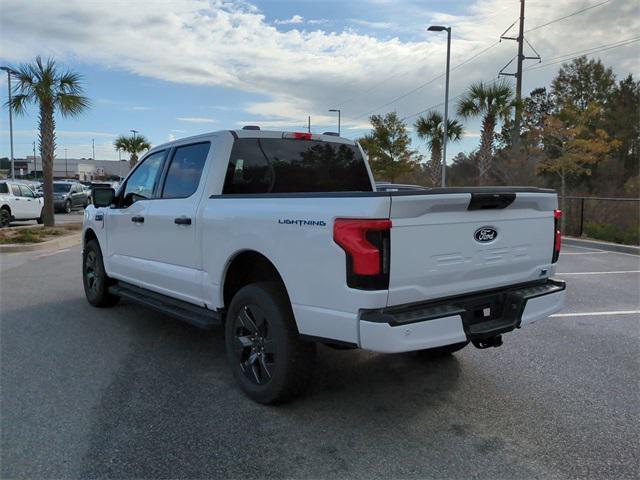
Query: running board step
[198, 316]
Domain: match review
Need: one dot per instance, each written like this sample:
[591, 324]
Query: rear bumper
[473, 317]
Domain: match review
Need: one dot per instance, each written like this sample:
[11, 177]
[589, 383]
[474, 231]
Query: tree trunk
[485, 154]
[435, 164]
[133, 160]
[47, 153]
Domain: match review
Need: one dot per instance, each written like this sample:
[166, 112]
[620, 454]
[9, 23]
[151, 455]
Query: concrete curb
[600, 245]
[48, 246]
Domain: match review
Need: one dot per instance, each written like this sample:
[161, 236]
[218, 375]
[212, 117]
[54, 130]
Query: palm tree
[44, 84]
[133, 146]
[430, 129]
[493, 103]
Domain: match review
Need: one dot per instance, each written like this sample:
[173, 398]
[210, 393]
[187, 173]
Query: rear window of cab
[274, 165]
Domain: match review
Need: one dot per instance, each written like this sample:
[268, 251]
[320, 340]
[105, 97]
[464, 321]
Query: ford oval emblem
[485, 234]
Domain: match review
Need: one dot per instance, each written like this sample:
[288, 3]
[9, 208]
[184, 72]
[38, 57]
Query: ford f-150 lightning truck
[284, 239]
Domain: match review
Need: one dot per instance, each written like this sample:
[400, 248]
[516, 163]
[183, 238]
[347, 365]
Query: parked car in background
[69, 195]
[18, 202]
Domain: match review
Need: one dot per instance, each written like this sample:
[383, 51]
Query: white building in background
[81, 168]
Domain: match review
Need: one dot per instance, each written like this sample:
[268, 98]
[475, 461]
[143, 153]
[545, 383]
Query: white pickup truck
[284, 239]
[18, 202]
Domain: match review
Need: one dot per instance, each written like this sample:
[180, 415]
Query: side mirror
[103, 197]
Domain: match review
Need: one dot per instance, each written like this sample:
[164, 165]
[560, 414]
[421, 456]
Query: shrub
[611, 233]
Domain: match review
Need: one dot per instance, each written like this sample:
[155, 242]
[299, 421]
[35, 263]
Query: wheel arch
[89, 235]
[6, 207]
[245, 267]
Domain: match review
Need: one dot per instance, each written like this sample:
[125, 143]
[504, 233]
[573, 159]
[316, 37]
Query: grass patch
[35, 234]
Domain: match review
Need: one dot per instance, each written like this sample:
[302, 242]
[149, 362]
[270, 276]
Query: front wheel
[67, 206]
[264, 350]
[95, 279]
[40, 219]
[5, 218]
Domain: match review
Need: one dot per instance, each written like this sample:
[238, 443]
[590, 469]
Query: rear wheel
[264, 350]
[5, 218]
[67, 206]
[95, 279]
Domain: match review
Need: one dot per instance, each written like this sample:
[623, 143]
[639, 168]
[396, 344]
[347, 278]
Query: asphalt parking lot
[126, 392]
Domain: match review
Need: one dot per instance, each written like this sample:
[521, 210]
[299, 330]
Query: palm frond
[70, 105]
[19, 103]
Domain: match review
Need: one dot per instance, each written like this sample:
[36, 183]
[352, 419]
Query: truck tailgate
[446, 244]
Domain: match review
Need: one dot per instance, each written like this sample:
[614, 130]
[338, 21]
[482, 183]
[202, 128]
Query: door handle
[137, 219]
[182, 221]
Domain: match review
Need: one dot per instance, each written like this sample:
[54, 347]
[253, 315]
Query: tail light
[366, 244]
[557, 240]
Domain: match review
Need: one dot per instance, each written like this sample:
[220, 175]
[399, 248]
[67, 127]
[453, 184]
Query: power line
[567, 16]
[585, 52]
[419, 87]
[572, 55]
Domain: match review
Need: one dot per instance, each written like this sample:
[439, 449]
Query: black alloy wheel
[254, 344]
[5, 218]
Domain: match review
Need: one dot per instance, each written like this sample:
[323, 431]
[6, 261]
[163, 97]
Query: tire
[40, 219]
[94, 278]
[5, 218]
[67, 206]
[444, 350]
[266, 355]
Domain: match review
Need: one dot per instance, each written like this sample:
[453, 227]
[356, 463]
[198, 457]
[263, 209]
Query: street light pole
[337, 110]
[436, 28]
[13, 166]
[66, 170]
[35, 162]
[134, 132]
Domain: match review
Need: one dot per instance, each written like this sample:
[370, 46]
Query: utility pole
[35, 163]
[518, 113]
[134, 132]
[66, 170]
[309, 124]
[520, 58]
[93, 147]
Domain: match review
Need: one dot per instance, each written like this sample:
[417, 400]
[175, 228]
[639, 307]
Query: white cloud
[59, 133]
[370, 24]
[171, 137]
[296, 19]
[140, 108]
[307, 72]
[196, 119]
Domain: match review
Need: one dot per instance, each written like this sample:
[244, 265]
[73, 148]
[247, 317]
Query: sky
[175, 68]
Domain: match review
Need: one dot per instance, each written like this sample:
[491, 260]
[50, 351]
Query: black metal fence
[610, 219]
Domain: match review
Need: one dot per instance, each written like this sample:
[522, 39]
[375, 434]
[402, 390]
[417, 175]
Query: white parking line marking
[599, 273]
[582, 253]
[598, 250]
[590, 314]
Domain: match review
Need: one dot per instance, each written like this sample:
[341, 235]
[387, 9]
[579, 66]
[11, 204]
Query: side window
[4, 188]
[15, 189]
[185, 170]
[143, 181]
[249, 171]
[26, 191]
